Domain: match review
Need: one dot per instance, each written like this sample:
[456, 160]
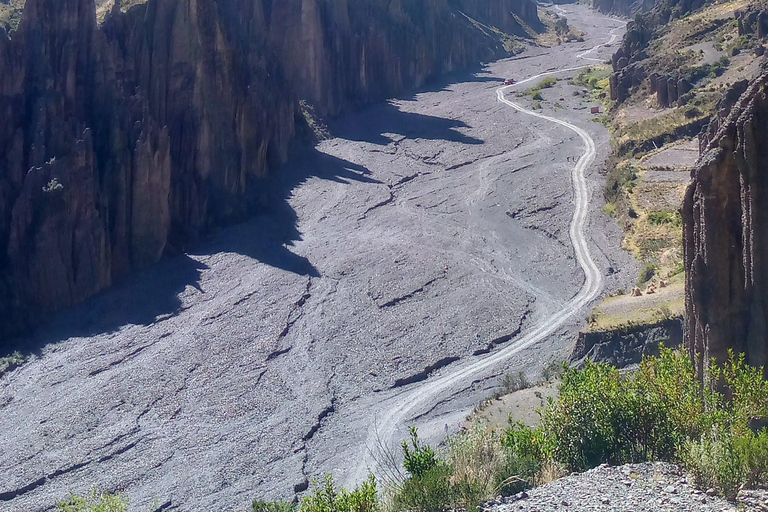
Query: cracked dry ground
[431, 229]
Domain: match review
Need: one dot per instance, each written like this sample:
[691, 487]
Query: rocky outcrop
[628, 66]
[628, 71]
[622, 7]
[626, 347]
[124, 141]
[752, 22]
[726, 231]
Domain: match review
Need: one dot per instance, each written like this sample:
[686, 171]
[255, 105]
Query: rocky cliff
[126, 140]
[726, 231]
[629, 68]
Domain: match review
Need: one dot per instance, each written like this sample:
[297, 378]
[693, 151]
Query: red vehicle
[509, 81]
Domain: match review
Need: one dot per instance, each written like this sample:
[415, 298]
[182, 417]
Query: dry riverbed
[433, 229]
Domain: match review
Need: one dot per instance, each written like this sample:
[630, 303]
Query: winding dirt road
[399, 409]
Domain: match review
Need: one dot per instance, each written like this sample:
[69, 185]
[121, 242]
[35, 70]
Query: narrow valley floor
[433, 229]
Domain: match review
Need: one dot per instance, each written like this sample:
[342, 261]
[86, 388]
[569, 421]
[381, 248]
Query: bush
[714, 462]
[511, 383]
[526, 451]
[662, 218]
[420, 458]
[327, 498]
[547, 82]
[605, 416]
[272, 506]
[620, 178]
[94, 502]
[431, 492]
[537, 96]
[753, 454]
[646, 273]
[478, 464]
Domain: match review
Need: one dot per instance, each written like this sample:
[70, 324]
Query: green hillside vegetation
[703, 49]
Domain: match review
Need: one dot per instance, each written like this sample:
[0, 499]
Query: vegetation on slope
[660, 412]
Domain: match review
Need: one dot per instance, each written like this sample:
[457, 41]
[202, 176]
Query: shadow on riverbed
[389, 119]
[268, 236]
[153, 295]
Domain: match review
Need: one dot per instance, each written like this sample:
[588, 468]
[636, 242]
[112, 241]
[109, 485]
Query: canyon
[430, 231]
[127, 140]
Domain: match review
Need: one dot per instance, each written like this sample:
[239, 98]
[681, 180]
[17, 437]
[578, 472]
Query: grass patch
[535, 91]
[650, 133]
[11, 362]
[597, 80]
[610, 210]
[665, 218]
[95, 502]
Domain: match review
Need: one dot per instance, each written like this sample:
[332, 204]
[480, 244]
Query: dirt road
[407, 261]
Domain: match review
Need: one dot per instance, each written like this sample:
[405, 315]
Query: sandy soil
[432, 229]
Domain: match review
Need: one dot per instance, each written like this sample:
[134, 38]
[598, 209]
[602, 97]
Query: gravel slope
[434, 227]
[652, 487]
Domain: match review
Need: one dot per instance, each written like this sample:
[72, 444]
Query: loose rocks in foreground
[650, 487]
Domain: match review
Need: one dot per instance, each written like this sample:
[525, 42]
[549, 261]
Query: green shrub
[431, 492]
[419, 458]
[610, 209]
[620, 178]
[646, 273]
[94, 502]
[714, 462]
[662, 218]
[526, 450]
[603, 415]
[536, 96]
[272, 506]
[326, 498]
[547, 82]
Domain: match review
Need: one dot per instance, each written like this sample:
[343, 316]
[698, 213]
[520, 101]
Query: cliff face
[726, 231]
[121, 140]
[340, 54]
[126, 140]
[622, 7]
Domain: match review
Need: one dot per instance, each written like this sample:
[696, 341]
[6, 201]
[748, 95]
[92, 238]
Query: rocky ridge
[726, 230]
[127, 140]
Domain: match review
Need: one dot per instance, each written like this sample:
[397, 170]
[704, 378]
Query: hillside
[662, 88]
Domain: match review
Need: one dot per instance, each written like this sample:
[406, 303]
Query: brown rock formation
[123, 140]
[726, 231]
